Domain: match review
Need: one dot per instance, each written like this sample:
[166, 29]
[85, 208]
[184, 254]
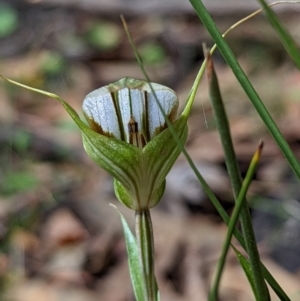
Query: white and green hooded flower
[141, 150]
[128, 135]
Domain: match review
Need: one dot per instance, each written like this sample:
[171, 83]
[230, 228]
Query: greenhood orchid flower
[132, 115]
[129, 135]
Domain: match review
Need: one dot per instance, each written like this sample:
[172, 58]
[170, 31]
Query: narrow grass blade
[246, 85]
[286, 39]
[233, 220]
[247, 269]
[275, 286]
[137, 278]
[223, 128]
[235, 177]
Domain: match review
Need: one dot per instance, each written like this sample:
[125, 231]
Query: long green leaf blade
[286, 39]
[245, 83]
[247, 269]
[275, 286]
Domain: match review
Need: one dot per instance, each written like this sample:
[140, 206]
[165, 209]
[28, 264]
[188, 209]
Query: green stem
[236, 180]
[145, 241]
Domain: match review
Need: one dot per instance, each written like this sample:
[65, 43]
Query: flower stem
[145, 241]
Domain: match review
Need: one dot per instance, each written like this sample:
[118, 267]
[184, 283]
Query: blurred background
[59, 238]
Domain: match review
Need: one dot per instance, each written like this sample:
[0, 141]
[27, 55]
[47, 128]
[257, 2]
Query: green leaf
[275, 286]
[286, 39]
[247, 269]
[135, 270]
